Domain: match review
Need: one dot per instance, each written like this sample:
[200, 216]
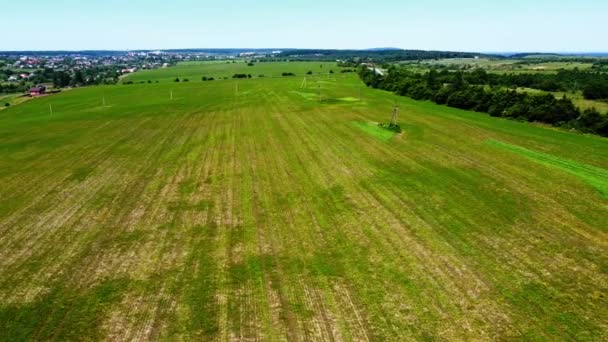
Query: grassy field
[12, 100]
[194, 71]
[270, 213]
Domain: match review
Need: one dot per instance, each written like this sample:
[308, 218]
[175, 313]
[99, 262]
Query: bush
[186, 80]
[288, 74]
[309, 73]
[391, 127]
[7, 104]
[239, 76]
[149, 81]
[177, 79]
[250, 64]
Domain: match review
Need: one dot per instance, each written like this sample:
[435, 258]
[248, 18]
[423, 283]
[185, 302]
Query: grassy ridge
[267, 214]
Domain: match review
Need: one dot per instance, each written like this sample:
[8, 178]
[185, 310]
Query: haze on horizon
[469, 25]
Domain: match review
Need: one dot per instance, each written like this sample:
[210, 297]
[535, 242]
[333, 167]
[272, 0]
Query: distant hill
[379, 55]
[534, 54]
[383, 49]
[553, 54]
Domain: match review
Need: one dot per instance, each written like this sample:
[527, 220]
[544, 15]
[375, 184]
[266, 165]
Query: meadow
[278, 210]
[194, 71]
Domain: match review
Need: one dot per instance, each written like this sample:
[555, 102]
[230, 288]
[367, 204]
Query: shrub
[250, 64]
[391, 127]
[288, 74]
[186, 80]
[177, 79]
[309, 72]
[7, 104]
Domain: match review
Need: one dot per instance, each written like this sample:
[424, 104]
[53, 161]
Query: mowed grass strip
[594, 176]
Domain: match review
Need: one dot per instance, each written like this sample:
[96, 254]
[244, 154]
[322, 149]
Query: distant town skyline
[469, 25]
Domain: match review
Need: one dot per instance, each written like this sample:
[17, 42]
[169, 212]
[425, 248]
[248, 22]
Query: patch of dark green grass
[63, 314]
[553, 309]
[374, 130]
[80, 174]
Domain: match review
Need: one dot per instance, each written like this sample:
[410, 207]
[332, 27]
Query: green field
[194, 71]
[264, 211]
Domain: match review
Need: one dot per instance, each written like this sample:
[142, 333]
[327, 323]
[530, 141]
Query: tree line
[468, 91]
[62, 78]
[594, 85]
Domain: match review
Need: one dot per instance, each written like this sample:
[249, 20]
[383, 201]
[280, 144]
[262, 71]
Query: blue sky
[464, 25]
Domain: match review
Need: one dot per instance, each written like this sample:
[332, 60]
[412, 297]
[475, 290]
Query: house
[37, 90]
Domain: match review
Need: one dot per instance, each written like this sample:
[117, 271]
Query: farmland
[278, 210]
[194, 71]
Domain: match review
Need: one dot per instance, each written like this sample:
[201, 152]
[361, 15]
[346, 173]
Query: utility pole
[395, 113]
[319, 90]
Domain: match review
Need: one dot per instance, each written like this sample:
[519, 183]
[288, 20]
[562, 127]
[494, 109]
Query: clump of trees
[596, 90]
[241, 76]
[458, 90]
